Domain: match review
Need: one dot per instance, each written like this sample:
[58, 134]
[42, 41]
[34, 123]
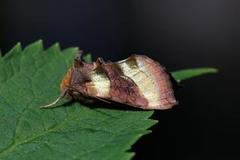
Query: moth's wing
[110, 84]
[152, 80]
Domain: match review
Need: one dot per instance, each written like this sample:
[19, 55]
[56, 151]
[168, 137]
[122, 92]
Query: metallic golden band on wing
[151, 79]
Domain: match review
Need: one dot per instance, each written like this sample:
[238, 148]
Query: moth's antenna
[51, 105]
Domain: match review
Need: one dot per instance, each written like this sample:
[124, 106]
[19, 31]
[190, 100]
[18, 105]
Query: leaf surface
[191, 73]
[29, 78]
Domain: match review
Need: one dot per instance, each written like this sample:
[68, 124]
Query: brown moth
[137, 81]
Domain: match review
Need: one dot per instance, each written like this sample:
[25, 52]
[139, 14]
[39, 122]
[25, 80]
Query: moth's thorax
[67, 80]
[78, 78]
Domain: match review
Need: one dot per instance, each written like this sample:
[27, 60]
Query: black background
[179, 34]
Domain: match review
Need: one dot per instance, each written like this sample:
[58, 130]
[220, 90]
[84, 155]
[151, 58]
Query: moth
[137, 81]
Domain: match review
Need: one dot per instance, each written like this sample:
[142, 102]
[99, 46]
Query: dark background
[178, 33]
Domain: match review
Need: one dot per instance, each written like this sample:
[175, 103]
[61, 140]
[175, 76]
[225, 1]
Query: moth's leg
[101, 99]
[77, 94]
[84, 100]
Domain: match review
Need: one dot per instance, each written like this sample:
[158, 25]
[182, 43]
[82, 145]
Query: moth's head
[78, 64]
[75, 76]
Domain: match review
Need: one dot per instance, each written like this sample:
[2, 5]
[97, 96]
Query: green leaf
[30, 78]
[87, 58]
[190, 73]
